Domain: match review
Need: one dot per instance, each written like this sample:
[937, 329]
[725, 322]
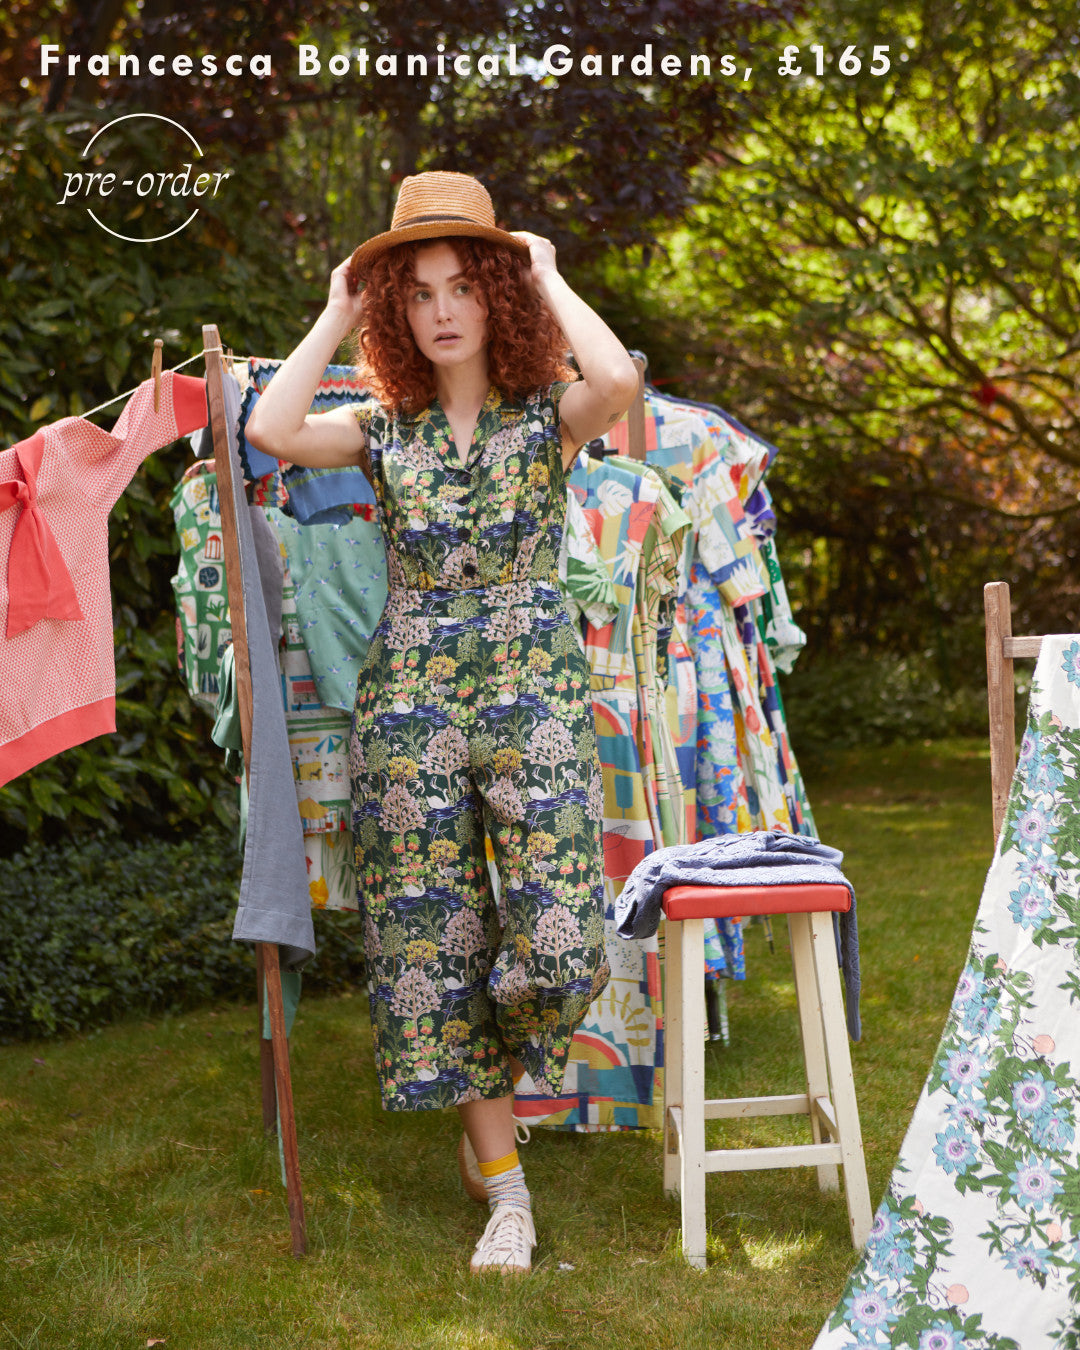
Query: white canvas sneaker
[507, 1243]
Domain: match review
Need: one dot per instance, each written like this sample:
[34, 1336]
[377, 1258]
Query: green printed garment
[976, 1245]
[473, 719]
[203, 627]
[339, 576]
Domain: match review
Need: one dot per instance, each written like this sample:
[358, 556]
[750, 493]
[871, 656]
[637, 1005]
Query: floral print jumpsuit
[473, 714]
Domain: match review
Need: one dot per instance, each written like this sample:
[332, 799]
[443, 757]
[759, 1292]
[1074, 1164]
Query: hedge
[107, 928]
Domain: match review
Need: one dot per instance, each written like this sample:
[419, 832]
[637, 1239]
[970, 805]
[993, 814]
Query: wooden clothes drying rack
[1002, 649]
[277, 1098]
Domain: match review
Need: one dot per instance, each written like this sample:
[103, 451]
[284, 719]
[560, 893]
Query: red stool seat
[729, 902]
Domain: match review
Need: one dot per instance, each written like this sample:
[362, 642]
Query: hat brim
[365, 255]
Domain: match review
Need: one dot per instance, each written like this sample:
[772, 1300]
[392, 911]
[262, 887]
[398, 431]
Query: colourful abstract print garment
[976, 1245]
[203, 627]
[614, 1075]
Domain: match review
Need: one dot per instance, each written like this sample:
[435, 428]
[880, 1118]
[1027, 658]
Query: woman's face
[446, 311]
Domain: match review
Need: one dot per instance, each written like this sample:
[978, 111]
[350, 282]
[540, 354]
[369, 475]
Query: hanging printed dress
[614, 1074]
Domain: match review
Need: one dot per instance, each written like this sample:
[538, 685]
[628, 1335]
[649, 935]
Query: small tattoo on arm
[613, 419]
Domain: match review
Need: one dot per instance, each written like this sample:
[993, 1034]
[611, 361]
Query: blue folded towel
[758, 858]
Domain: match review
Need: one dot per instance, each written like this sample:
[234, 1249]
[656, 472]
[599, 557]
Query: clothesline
[206, 351]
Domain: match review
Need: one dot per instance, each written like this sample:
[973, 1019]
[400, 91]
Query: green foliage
[78, 314]
[553, 148]
[102, 928]
[881, 277]
[874, 700]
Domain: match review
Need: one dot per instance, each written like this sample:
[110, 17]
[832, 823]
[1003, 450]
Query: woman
[472, 711]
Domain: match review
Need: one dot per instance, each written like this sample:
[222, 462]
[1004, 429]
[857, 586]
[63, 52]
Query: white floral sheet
[976, 1245]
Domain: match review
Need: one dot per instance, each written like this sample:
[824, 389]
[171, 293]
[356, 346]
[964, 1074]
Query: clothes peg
[155, 372]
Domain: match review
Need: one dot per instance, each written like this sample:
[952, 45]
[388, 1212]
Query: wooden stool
[834, 1117]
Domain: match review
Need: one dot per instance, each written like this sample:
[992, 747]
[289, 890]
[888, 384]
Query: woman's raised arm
[609, 379]
[280, 423]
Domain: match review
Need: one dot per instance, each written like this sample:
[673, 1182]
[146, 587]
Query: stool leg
[673, 1093]
[692, 1179]
[808, 997]
[843, 1082]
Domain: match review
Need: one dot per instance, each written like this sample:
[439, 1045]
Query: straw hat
[434, 206]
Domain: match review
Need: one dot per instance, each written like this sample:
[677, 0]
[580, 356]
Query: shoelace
[509, 1236]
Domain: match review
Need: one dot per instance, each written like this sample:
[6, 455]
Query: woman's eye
[420, 295]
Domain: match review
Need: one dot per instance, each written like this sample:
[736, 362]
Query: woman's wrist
[339, 318]
[548, 277]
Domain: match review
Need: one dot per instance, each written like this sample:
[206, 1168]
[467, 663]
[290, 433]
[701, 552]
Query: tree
[557, 932]
[446, 753]
[464, 936]
[570, 821]
[915, 237]
[551, 744]
[401, 811]
[360, 133]
[414, 994]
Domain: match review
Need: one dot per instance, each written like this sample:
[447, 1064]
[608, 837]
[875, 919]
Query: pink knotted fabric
[39, 583]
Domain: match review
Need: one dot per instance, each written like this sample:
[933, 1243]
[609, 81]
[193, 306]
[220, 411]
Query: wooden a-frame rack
[277, 1099]
[1001, 650]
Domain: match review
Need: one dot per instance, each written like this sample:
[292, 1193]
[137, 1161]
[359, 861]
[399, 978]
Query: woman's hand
[541, 256]
[345, 298]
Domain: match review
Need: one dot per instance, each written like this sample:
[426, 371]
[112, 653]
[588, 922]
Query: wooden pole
[266, 1049]
[283, 1079]
[635, 417]
[266, 952]
[1000, 696]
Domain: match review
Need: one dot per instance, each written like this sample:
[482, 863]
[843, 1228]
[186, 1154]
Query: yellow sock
[498, 1165]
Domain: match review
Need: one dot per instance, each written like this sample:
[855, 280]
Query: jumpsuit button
[468, 569]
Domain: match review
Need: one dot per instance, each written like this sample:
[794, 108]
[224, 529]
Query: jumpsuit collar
[496, 410]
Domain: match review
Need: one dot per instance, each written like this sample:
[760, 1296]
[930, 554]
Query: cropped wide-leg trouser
[473, 718]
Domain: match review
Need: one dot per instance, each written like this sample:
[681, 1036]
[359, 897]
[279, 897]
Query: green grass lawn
[139, 1202]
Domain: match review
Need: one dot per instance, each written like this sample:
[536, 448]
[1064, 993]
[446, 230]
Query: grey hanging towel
[275, 905]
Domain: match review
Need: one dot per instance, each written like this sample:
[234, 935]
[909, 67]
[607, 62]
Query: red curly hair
[526, 347]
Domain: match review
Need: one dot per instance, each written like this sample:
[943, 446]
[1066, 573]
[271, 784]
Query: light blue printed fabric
[326, 496]
[720, 786]
[759, 858]
[976, 1245]
[339, 572]
[255, 463]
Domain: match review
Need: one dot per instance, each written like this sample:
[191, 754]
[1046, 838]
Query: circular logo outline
[129, 239]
